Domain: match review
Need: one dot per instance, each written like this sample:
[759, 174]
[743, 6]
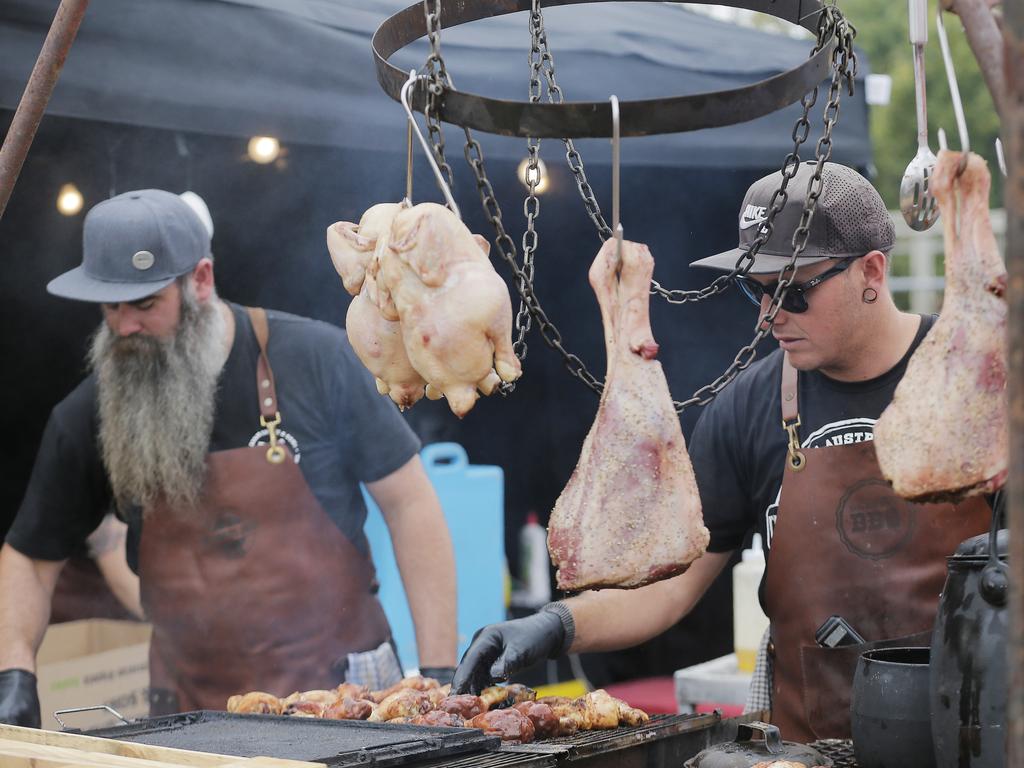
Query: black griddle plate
[334, 742]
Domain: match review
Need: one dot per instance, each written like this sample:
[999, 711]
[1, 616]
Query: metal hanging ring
[593, 119]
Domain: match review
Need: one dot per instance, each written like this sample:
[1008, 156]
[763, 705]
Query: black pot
[969, 674]
[889, 714]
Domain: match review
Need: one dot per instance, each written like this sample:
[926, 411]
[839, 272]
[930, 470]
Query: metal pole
[1013, 136]
[37, 94]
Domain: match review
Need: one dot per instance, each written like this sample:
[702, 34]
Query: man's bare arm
[107, 547]
[26, 591]
[611, 619]
[423, 551]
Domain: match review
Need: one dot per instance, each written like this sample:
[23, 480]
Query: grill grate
[839, 751]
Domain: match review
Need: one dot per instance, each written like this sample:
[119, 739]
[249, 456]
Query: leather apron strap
[270, 416]
[257, 588]
[845, 544]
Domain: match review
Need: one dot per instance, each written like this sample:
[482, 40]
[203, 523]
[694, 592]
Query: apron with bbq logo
[845, 544]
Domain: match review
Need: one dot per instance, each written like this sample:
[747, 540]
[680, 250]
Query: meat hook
[954, 92]
[616, 142]
[404, 98]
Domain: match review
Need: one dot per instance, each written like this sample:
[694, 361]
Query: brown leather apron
[844, 543]
[257, 589]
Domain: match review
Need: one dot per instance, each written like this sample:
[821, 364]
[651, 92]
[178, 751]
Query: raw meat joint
[430, 314]
[630, 514]
[945, 434]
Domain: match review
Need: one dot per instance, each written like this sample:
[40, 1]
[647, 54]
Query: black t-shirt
[339, 428]
[738, 446]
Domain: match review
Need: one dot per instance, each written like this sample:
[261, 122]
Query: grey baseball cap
[849, 220]
[133, 245]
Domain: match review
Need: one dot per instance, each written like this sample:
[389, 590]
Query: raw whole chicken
[630, 514]
[945, 435]
[456, 314]
[372, 322]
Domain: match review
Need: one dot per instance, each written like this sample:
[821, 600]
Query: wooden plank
[167, 755]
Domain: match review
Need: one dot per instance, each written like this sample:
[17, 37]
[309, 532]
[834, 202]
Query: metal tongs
[413, 127]
[916, 201]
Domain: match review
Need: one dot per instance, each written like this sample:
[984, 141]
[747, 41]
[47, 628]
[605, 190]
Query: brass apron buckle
[795, 458]
[275, 453]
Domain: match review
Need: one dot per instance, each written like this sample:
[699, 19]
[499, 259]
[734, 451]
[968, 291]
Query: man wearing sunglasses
[786, 450]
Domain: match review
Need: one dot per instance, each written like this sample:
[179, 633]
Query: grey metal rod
[1013, 134]
[37, 94]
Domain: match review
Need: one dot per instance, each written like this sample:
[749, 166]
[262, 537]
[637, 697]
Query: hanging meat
[456, 314]
[630, 514]
[945, 435]
[375, 337]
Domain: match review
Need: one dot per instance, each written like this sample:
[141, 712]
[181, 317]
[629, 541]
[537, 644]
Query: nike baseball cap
[134, 245]
[850, 220]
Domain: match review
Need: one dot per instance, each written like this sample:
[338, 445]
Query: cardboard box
[90, 662]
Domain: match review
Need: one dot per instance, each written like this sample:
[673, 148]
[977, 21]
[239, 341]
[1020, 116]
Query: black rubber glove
[19, 701]
[443, 675]
[499, 650]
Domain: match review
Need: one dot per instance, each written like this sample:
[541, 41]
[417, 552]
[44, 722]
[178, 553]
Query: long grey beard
[156, 406]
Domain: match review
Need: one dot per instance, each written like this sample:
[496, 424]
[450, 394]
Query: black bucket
[889, 715]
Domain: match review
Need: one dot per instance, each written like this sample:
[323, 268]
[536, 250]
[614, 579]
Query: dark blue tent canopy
[302, 70]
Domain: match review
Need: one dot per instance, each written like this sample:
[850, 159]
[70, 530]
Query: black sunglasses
[796, 297]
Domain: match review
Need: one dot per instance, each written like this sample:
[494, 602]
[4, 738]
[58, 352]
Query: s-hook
[616, 142]
[954, 92]
[404, 98]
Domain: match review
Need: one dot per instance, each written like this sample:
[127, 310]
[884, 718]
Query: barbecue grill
[667, 740]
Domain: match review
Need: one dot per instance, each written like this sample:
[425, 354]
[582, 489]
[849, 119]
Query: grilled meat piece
[510, 724]
[570, 713]
[415, 682]
[465, 705]
[501, 696]
[546, 723]
[347, 708]
[406, 702]
[439, 718]
[630, 514]
[306, 709]
[352, 690]
[255, 702]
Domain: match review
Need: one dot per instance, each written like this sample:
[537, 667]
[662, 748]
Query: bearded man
[233, 442]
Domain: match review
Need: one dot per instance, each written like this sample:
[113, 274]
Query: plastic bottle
[534, 563]
[748, 619]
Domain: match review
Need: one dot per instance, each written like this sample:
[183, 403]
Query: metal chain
[831, 24]
[438, 80]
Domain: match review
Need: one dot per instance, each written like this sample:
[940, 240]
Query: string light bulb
[69, 200]
[264, 149]
[524, 172]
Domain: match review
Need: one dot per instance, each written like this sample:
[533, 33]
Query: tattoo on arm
[110, 535]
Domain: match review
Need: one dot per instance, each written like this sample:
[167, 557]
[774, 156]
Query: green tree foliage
[882, 33]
